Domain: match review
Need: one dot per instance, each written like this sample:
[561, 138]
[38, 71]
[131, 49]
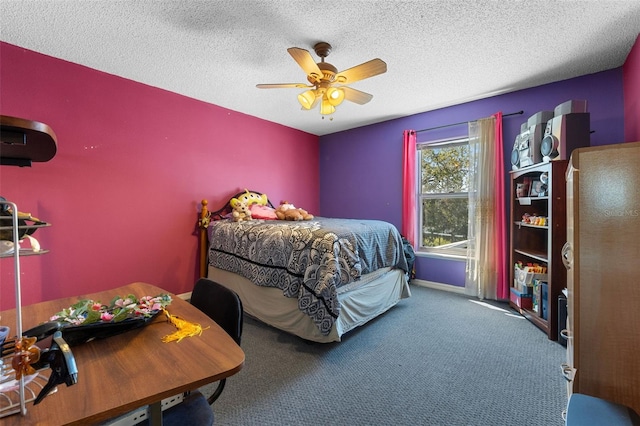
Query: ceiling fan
[328, 86]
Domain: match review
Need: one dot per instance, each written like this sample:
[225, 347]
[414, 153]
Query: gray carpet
[435, 359]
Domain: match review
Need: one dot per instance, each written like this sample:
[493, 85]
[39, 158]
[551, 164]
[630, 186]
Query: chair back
[221, 304]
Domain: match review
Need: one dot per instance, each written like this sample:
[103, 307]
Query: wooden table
[124, 372]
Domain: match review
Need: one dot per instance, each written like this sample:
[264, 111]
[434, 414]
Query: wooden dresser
[602, 256]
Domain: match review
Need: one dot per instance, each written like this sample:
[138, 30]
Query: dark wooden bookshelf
[540, 243]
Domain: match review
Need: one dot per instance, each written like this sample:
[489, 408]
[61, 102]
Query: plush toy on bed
[287, 211]
[252, 198]
[240, 210]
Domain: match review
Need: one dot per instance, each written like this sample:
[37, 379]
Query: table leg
[155, 414]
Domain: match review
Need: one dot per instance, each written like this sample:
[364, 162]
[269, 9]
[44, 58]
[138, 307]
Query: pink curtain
[409, 221]
[502, 284]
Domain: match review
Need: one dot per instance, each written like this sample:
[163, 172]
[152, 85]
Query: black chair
[224, 307]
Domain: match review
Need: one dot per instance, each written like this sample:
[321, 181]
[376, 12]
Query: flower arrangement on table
[122, 314]
[88, 311]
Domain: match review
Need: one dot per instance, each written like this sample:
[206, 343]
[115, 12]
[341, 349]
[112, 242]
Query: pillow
[262, 212]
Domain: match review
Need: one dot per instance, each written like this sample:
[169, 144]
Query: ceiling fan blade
[282, 86]
[362, 71]
[306, 62]
[356, 96]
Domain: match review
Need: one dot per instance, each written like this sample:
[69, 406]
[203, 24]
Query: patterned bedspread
[308, 260]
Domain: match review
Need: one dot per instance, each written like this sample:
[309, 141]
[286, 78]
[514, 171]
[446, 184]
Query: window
[443, 191]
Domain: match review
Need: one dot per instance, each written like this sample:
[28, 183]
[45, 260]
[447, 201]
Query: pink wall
[133, 163]
[631, 79]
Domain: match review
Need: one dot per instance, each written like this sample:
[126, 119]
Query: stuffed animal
[240, 210]
[253, 198]
[287, 211]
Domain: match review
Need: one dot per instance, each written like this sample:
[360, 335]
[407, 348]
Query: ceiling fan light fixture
[307, 98]
[335, 96]
[326, 108]
[323, 75]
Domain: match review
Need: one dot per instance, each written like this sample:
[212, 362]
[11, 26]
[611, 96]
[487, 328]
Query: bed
[317, 279]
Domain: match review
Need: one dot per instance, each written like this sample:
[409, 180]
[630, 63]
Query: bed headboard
[250, 197]
[207, 216]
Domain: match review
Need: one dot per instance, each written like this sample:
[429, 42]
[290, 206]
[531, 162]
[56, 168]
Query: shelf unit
[539, 243]
[15, 394]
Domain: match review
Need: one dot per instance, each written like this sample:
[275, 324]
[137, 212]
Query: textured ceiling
[438, 53]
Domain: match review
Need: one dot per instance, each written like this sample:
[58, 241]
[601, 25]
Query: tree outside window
[444, 185]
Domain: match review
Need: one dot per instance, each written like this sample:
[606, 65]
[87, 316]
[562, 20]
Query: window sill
[449, 256]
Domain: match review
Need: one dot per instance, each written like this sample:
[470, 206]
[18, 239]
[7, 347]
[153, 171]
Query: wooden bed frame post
[203, 224]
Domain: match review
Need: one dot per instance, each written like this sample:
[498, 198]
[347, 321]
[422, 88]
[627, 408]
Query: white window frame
[457, 249]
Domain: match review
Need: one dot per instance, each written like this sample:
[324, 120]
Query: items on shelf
[27, 226]
[533, 187]
[526, 275]
[534, 219]
[522, 188]
[551, 135]
[520, 299]
[539, 299]
[538, 189]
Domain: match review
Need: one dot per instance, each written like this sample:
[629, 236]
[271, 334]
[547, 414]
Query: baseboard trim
[439, 286]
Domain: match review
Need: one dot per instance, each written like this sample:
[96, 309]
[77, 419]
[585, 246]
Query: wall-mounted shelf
[25, 141]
